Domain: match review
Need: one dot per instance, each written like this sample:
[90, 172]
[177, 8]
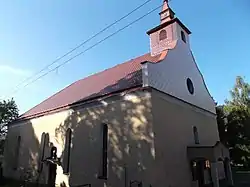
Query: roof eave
[168, 23]
[61, 108]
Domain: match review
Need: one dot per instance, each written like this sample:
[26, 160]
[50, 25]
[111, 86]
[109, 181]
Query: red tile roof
[120, 77]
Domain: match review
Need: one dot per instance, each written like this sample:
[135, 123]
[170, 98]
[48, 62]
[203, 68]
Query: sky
[35, 33]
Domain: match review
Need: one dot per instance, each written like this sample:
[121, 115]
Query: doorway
[52, 167]
[201, 172]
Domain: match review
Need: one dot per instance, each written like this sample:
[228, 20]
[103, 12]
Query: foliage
[233, 120]
[221, 123]
[240, 96]
[8, 113]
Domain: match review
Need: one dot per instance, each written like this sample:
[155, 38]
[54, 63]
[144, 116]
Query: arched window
[17, 151]
[66, 158]
[104, 160]
[183, 37]
[41, 155]
[46, 139]
[163, 35]
[196, 135]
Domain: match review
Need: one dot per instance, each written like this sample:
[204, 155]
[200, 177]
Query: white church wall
[173, 122]
[129, 120]
[177, 32]
[170, 76]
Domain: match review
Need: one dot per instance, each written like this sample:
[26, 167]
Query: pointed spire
[167, 13]
[165, 5]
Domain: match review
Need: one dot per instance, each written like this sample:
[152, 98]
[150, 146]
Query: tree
[240, 95]
[234, 122]
[8, 113]
[221, 121]
[238, 137]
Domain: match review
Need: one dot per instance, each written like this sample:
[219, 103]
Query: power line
[84, 42]
[89, 48]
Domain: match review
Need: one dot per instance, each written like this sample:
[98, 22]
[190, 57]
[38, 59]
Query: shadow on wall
[130, 139]
[130, 143]
[21, 153]
[130, 153]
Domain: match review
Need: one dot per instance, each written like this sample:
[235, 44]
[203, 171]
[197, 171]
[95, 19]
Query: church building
[147, 122]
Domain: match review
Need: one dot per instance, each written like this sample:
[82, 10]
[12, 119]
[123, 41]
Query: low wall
[241, 178]
[15, 183]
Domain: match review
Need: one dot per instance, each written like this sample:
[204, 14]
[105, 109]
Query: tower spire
[167, 13]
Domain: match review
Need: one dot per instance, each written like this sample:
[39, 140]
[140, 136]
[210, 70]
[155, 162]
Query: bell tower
[171, 29]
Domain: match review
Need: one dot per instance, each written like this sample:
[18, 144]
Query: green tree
[234, 122]
[240, 96]
[8, 113]
[221, 121]
[238, 137]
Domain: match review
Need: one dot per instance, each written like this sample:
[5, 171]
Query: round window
[190, 86]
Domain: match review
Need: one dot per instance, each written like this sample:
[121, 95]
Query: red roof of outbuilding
[120, 77]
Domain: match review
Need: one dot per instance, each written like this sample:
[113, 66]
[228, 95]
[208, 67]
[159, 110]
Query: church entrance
[210, 165]
[201, 172]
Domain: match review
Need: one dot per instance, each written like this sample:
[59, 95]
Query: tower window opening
[163, 35]
[183, 37]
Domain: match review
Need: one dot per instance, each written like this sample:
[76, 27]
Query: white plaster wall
[170, 75]
[129, 119]
[173, 122]
[31, 132]
[177, 31]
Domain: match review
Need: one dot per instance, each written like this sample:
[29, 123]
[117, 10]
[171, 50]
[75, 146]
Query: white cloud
[12, 70]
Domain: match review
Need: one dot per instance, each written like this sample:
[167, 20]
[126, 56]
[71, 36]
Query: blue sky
[34, 33]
